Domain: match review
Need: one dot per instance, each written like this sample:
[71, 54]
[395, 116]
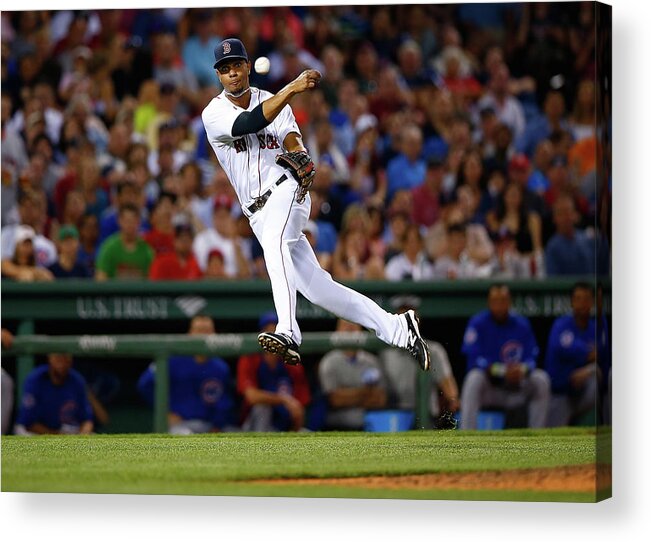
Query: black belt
[260, 201]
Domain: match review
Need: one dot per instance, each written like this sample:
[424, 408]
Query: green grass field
[230, 464]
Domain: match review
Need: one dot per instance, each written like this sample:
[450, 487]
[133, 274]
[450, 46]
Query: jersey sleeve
[565, 352]
[473, 348]
[531, 350]
[286, 123]
[146, 384]
[218, 121]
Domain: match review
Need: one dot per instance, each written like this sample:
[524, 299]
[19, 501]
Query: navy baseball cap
[229, 48]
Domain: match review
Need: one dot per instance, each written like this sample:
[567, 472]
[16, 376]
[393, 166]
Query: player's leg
[476, 392]
[560, 410]
[587, 400]
[278, 226]
[538, 389]
[259, 419]
[318, 287]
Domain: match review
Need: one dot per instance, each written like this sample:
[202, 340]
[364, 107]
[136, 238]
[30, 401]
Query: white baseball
[262, 65]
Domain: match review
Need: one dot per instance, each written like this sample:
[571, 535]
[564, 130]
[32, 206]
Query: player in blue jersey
[571, 360]
[501, 352]
[55, 400]
[200, 395]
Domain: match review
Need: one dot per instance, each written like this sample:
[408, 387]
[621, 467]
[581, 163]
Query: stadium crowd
[451, 141]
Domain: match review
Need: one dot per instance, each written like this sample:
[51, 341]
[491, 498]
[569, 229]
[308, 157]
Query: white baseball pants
[293, 266]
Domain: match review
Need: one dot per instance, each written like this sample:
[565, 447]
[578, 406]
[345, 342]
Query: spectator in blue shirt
[55, 400]
[68, 265]
[501, 353]
[200, 388]
[570, 251]
[127, 192]
[407, 170]
[198, 49]
[542, 127]
[571, 360]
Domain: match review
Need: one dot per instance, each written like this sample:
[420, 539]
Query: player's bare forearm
[272, 107]
[449, 388]
[579, 376]
[255, 396]
[348, 397]
[293, 142]
[376, 398]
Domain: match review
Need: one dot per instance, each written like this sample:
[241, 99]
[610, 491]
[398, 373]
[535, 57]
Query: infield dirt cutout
[575, 478]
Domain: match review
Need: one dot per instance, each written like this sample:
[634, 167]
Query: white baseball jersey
[249, 163]
[249, 160]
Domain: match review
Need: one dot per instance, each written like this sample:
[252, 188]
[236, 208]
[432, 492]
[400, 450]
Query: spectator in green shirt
[124, 254]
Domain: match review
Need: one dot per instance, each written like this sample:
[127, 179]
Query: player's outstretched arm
[272, 107]
[251, 122]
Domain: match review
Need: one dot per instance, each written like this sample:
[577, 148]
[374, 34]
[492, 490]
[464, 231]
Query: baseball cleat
[281, 344]
[416, 346]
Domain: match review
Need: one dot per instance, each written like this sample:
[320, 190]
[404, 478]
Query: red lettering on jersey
[272, 142]
[261, 141]
[239, 144]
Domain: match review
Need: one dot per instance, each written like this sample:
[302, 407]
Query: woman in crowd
[524, 225]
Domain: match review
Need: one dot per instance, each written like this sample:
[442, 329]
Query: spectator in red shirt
[180, 264]
[426, 208]
[161, 235]
[275, 394]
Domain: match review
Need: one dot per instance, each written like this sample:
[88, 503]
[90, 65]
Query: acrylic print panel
[463, 171]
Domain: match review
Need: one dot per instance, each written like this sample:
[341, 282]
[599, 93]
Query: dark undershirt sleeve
[249, 122]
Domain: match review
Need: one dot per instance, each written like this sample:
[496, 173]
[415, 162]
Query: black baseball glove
[301, 167]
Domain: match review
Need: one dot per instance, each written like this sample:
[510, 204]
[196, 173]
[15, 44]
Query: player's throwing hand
[306, 80]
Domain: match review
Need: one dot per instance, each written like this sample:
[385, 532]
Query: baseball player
[200, 388]
[571, 360]
[259, 145]
[501, 353]
[55, 400]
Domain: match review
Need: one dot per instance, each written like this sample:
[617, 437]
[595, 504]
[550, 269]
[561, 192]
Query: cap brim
[229, 57]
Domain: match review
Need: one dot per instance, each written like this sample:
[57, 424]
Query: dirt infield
[579, 478]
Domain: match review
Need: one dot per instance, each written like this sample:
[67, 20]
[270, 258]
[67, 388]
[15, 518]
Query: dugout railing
[160, 347]
[67, 307]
